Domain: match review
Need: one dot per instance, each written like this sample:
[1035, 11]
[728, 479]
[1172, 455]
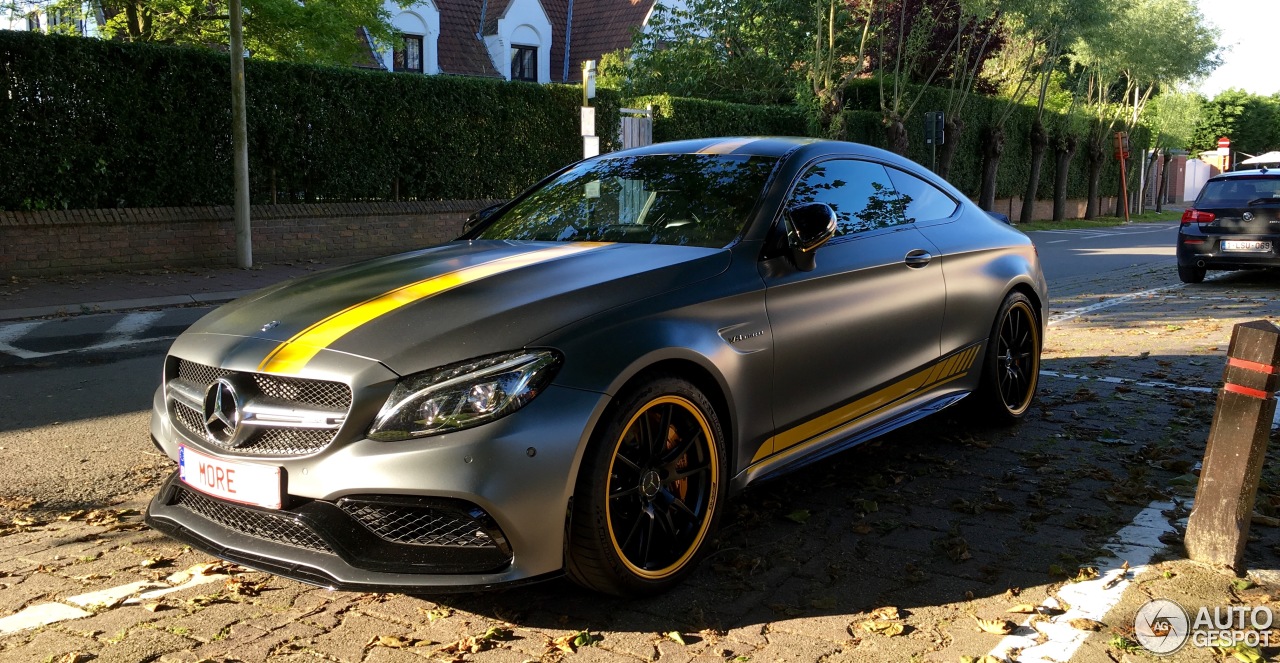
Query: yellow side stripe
[947, 370]
[292, 355]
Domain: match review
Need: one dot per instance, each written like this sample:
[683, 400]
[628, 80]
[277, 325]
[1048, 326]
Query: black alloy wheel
[1011, 369]
[649, 492]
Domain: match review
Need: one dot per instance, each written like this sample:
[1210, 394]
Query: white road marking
[1107, 303]
[1058, 241]
[122, 333]
[133, 593]
[1136, 544]
[1130, 382]
[40, 615]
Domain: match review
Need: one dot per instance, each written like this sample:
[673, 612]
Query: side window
[860, 192]
[926, 201]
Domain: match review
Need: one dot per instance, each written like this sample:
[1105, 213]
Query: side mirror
[808, 226]
[479, 216]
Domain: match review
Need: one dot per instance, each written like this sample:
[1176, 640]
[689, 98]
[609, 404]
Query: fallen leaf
[800, 516]
[882, 627]
[390, 641]
[996, 626]
[154, 562]
[1085, 624]
[980, 659]
[72, 515]
[244, 587]
[570, 643]
[862, 528]
[1023, 609]
[1085, 573]
[155, 606]
[74, 657]
[436, 613]
[887, 612]
[675, 637]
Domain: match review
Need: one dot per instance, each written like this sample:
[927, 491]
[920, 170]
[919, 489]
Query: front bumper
[341, 545]
[511, 479]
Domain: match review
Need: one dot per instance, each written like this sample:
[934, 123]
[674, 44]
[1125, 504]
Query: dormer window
[408, 54]
[524, 63]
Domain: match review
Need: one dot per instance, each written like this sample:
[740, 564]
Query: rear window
[1239, 192]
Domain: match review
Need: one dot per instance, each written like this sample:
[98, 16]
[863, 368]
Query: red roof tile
[601, 26]
[459, 51]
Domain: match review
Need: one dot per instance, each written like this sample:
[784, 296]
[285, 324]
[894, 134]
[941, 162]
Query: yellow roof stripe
[726, 146]
[292, 355]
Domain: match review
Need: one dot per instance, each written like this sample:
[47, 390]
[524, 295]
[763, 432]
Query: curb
[122, 305]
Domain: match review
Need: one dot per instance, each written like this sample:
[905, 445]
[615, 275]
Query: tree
[913, 44]
[319, 31]
[1172, 117]
[1252, 122]
[977, 28]
[730, 50]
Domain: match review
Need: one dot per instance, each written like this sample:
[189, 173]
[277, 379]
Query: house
[543, 41]
[34, 16]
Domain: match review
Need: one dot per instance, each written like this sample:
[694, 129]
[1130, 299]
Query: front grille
[258, 524]
[422, 526]
[333, 395]
[266, 440]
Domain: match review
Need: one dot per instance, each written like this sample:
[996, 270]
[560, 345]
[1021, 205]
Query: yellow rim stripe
[946, 370]
[292, 355]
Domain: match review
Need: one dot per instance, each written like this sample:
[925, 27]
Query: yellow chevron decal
[726, 146]
[946, 370]
[292, 355]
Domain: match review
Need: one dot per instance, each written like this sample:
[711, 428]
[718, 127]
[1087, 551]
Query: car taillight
[1196, 216]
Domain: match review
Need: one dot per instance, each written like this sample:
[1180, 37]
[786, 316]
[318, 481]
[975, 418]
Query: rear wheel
[1190, 273]
[649, 491]
[1011, 368]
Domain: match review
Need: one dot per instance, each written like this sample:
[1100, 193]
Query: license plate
[1245, 245]
[231, 480]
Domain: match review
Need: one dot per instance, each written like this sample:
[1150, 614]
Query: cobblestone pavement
[948, 521]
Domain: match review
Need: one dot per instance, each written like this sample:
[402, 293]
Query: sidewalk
[37, 297]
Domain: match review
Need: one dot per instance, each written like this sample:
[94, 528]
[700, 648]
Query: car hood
[423, 309]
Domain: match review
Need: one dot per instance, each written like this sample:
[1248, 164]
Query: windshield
[1239, 192]
[680, 199]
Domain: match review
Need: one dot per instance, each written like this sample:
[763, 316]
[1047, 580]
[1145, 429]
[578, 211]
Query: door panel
[869, 314]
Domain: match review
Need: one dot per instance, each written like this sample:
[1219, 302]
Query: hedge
[91, 123]
[679, 118]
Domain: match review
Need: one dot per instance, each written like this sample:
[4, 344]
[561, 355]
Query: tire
[1011, 366]
[1190, 273]
[641, 517]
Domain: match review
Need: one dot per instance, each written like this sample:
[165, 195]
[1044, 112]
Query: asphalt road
[1071, 253]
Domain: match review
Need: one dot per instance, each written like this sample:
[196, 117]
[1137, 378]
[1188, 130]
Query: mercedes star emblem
[222, 412]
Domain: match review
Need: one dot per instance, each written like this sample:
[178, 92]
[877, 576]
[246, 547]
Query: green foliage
[1251, 121]
[314, 32]
[104, 124]
[677, 118]
[709, 49]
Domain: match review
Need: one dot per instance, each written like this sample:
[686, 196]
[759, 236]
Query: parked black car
[1234, 224]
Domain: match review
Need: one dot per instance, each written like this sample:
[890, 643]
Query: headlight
[464, 395]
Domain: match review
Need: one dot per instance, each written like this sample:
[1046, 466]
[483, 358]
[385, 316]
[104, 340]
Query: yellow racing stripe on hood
[292, 355]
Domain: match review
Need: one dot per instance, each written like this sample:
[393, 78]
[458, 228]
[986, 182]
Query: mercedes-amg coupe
[580, 381]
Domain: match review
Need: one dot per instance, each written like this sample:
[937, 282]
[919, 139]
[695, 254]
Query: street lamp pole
[240, 142]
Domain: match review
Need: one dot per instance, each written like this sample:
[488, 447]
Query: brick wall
[92, 240]
[1043, 209]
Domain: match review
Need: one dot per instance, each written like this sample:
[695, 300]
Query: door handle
[918, 258]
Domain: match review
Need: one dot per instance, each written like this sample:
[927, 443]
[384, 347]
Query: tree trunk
[1146, 183]
[131, 16]
[895, 133]
[1039, 141]
[992, 148]
[1164, 181]
[948, 151]
[1095, 153]
[1064, 149]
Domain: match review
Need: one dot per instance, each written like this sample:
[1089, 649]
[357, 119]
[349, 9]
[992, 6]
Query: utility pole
[240, 142]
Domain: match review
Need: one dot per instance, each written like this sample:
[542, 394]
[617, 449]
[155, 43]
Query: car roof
[761, 146]
[1252, 173]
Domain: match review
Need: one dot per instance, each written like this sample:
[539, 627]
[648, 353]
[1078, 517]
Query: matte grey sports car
[578, 383]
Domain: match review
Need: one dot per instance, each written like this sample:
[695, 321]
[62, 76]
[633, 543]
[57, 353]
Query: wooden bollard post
[1219, 524]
